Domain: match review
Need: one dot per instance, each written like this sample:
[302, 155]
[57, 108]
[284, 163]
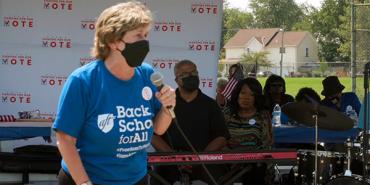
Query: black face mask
[135, 53]
[190, 83]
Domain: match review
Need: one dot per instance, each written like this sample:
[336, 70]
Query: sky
[243, 4]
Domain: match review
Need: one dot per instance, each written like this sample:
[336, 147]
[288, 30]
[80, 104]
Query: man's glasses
[276, 85]
[186, 74]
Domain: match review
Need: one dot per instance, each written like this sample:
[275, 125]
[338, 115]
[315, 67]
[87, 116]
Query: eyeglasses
[276, 85]
[186, 74]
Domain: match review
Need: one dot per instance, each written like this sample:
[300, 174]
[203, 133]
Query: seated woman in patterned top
[250, 127]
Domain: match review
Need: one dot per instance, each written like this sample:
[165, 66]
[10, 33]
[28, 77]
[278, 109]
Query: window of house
[306, 52]
[247, 50]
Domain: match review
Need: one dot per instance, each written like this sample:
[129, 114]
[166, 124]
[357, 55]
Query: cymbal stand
[316, 141]
[349, 145]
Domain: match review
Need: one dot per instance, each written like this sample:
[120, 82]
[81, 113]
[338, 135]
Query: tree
[326, 27]
[323, 67]
[273, 13]
[255, 60]
[233, 20]
[307, 20]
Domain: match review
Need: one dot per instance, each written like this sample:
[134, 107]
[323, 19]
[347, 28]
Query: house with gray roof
[300, 49]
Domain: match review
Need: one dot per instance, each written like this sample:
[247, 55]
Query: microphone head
[157, 79]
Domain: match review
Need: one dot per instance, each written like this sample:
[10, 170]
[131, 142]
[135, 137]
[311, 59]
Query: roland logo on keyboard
[210, 157]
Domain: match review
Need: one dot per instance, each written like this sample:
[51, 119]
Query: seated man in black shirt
[274, 92]
[202, 122]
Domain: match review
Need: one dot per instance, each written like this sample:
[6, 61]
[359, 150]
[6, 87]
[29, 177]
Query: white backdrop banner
[43, 41]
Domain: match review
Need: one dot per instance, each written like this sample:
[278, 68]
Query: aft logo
[167, 26]
[15, 98]
[164, 63]
[204, 8]
[86, 60]
[206, 83]
[202, 45]
[62, 5]
[106, 122]
[57, 42]
[52, 80]
[19, 22]
[16, 60]
[88, 24]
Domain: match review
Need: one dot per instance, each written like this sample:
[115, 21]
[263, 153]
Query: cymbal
[327, 118]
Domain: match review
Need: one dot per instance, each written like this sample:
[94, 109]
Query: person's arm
[216, 144]
[160, 145]
[163, 119]
[218, 129]
[67, 147]
[270, 133]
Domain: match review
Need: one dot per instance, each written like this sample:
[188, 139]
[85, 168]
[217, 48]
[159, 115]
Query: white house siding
[254, 45]
[233, 53]
[289, 58]
[309, 43]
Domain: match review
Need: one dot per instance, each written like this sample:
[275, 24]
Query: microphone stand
[315, 115]
[365, 116]
[193, 150]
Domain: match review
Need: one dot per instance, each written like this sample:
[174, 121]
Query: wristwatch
[87, 183]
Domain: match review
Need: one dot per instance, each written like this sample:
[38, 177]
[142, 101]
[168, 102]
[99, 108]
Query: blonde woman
[109, 109]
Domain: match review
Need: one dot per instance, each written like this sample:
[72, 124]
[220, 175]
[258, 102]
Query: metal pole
[281, 51]
[316, 142]
[353, 46]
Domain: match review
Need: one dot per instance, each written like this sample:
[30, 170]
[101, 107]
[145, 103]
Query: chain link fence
[361, 43]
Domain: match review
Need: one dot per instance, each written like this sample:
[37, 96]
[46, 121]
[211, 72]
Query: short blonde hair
[115, 21]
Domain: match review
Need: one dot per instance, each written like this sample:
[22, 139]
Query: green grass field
[294, 84]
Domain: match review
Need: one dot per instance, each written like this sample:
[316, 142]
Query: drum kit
[326, 167]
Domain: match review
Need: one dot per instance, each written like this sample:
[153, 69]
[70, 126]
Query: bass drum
[348, 180]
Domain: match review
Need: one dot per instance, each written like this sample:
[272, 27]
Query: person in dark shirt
[202, 121]
[274, 92]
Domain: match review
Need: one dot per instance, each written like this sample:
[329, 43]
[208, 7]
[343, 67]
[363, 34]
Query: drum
[348, 180]
[329, 163]
[357, 155]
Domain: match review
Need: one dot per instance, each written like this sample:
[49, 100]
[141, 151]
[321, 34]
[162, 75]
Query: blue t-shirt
[348, 98]
[111, 119]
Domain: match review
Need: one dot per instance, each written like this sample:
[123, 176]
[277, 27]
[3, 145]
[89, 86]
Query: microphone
[157, 80]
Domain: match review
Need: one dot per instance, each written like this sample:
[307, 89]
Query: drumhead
[321, 153]
[348, 180]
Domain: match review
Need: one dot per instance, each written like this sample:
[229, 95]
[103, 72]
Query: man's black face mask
[190, 83]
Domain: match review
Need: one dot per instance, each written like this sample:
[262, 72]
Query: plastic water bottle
[351, 113]
[276, 116]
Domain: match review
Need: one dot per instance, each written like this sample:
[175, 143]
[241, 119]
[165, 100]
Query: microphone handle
[170, 108]
[172, 113]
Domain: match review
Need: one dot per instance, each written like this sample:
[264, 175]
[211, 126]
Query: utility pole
[282, 51]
